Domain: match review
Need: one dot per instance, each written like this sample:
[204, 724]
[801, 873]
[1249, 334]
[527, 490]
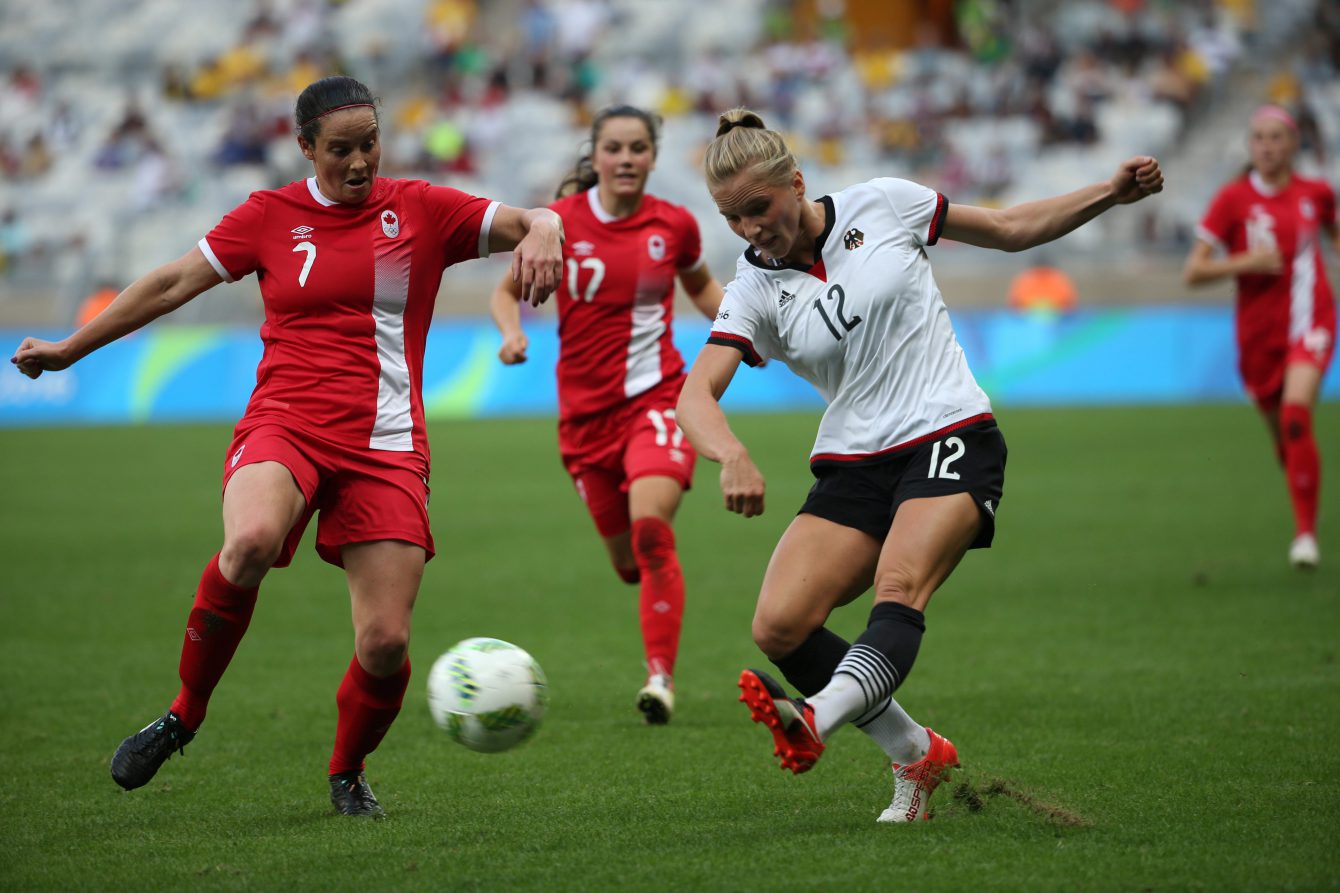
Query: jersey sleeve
[690, 244]
[231, 247]
[744, 323]
[921, 209]
[1217, 224]
[461, 220]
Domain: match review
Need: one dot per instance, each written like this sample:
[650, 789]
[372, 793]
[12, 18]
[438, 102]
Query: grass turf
[1144, 694]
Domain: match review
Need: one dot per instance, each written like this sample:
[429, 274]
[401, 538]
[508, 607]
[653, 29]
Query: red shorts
[606, 451]
[1262, 366]
[363, 495]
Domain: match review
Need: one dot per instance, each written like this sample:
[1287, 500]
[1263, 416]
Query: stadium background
[118, 158]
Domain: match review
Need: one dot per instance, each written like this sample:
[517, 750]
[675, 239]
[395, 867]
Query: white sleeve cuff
[219, 268]
[485, 227]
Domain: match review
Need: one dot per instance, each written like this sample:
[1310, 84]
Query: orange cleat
[791, 720]
[914, 783]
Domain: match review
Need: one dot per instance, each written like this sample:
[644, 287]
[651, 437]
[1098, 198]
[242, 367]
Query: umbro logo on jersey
[785, 299]
[301, 232]
[390, 224]
[853, 239]
[583, 248]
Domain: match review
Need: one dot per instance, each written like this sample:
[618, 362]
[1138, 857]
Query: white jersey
[866, 325]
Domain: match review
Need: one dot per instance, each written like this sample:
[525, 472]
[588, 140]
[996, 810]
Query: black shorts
[866, 495]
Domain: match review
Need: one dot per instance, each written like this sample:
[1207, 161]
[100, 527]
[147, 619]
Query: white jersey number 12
[953, 444]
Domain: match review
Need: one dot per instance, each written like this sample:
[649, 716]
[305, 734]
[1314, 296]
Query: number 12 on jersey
[954, 450]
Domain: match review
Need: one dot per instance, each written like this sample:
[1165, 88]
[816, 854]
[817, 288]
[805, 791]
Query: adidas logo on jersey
[785, 299]
[853, 239]
[583, 248]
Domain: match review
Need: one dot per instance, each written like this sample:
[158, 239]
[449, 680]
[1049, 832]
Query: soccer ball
[487, 694]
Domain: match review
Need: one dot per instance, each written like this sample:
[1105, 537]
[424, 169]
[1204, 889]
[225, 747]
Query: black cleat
[351, 795]
[140, 755]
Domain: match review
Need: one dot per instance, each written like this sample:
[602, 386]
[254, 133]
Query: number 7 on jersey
[310, 248]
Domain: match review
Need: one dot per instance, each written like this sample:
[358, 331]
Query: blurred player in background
[619, 373]
[909, 462]
[1267, 226]
[349, 265]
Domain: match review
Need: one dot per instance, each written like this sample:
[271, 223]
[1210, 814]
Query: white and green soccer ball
[487, 694]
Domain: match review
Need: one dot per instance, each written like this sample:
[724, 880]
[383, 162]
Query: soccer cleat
[140, 755]
[1303, 553]
[656, 700]
[791, 720]
[351, 795]
[914, 783]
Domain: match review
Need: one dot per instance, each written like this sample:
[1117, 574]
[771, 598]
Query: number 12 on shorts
[954, 450]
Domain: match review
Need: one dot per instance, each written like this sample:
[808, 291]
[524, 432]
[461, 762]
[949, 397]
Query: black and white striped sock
[872, 669]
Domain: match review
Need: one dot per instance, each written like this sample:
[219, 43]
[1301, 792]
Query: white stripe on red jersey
[349, 293]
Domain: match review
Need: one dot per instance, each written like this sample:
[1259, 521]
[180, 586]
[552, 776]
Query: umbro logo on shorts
[238, 455]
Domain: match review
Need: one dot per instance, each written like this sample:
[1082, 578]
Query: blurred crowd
[981, 97]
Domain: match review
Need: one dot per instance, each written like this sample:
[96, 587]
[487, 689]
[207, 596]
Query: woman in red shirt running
[619, 373]
[1266, 228]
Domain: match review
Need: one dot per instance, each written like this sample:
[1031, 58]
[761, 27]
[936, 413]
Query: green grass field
[1145, 696]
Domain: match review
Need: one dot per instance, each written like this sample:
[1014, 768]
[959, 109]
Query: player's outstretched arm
[699, 415]
[144, 300]
[1036, 223]
[535, 238]
[703, 290]
[505, 307]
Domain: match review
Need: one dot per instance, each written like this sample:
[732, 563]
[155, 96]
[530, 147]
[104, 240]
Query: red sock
[368, 705]
[1302, 464]
[662, 594]
[218, 620]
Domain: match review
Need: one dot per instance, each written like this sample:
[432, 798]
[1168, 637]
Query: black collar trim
[830, 217]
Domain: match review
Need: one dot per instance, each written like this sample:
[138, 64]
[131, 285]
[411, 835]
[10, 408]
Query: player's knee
[777, 636]
[653, 542]
[382, 648]
[1295, 421]
[898, 584]
[250, 552]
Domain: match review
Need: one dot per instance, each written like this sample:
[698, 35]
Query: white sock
[863, 680]
[841, 701]
[900, 736]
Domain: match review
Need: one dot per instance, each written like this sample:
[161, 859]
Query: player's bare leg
[1302, 459]
[260, 505]
[817, 566]
[653, 501]
[928, 538]
[384, 578]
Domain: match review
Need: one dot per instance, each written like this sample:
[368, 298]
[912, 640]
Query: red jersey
[1274, 311]
[349, 293]
[617, 299]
